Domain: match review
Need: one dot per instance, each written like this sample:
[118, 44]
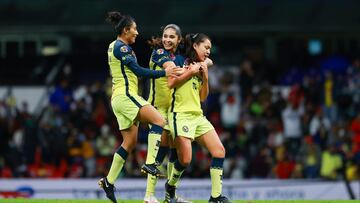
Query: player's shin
[154, 139]
[216, 174]
[117, 164]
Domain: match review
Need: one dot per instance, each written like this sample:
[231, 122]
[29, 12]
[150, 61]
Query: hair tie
[194, 36]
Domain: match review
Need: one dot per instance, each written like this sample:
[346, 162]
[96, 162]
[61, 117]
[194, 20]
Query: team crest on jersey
[124, 49]
[160, 51]
[185, 128]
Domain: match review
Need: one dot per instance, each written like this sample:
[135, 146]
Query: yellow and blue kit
[125, 71]
[186, 117]
[159, 95]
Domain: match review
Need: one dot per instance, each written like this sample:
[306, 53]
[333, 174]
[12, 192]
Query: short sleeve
[179, 60]
[124, 53]
[160, 56]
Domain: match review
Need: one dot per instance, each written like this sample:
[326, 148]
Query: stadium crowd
[305, 126]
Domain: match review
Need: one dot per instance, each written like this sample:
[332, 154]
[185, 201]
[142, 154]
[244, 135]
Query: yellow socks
[154, 139]
[216, 174]
[176, 173]
[117, 164]
[152, 180]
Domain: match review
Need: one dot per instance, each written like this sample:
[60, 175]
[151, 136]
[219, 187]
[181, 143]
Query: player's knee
[185, 160]
[219, 152]
[160, 122]
[130, 143]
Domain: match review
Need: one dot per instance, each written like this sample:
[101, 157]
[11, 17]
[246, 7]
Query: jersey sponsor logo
[160, 51]
[172, 57]
[162, 58]
[185, 128]
[124, 49]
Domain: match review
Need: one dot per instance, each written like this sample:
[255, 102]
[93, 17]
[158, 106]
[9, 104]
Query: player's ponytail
[119, 21]
[155, 42]
[190, 40]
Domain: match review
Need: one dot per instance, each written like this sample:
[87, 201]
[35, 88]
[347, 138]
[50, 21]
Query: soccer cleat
[181, 200]
[108, 188]
[220, 199]
[169, 193]
[152, 169]
[151, 199]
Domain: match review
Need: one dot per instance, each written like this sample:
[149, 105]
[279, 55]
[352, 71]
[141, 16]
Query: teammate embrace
[175, 98]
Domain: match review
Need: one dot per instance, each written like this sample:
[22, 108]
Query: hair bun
[114, 17]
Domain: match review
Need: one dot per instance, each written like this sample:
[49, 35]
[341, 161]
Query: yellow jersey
[125, 69]
[186, 98]
[159, 95]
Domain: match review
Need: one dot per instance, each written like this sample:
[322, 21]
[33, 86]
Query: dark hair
[119, 21]
[190, 40]
[156, 42]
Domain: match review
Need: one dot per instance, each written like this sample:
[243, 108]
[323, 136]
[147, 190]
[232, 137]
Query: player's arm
[192, 70]
[124, 54]
[204, 91]
[171, 64]
[145, 72]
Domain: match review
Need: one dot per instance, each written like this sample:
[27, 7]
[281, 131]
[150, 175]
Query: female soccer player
[187, 122]
[127, 105]
[165, 54]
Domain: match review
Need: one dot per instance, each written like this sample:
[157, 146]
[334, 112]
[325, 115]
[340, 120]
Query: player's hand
[173, 71]
[209, 62]
[194, 68]
[204, 71]
[180, 71]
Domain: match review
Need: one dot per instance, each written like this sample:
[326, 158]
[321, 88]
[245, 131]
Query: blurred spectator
[353, 79]
[11, 103]
[246, 78]
[310, 157]
[329, 97]
[331, 163]
[318, 121]
[320, 127]
[291, 118]
[88, 154]
[229, 104]
[284, 166]
[105, 143]
[260, 166]
[62, 96]
[355, 131]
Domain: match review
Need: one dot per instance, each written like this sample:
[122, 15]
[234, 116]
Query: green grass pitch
[21, 200]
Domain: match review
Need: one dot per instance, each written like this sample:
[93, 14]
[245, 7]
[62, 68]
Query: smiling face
[130, 33]
[203, 49]
[170, 39]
